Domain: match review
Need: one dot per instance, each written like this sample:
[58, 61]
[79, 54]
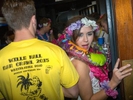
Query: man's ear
[33, 19]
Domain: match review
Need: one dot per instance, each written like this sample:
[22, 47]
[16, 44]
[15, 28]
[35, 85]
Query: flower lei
[99, 72]
[108, 90]
[64, 41]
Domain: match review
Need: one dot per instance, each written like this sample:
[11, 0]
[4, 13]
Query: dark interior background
[52, 9]
[60, 10]
[61, 6]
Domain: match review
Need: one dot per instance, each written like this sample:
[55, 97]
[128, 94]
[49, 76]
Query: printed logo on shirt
[27, 63]
[30, 87]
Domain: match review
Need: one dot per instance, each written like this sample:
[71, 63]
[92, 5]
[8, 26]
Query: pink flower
[68, 31]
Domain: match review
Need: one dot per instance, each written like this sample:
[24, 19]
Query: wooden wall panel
[128, 82]
[124, 28]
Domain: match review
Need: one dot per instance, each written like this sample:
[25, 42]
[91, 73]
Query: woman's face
[85, 37]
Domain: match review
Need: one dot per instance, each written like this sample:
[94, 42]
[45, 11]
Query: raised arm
[118, 75]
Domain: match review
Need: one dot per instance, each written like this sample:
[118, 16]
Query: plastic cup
[100, 41]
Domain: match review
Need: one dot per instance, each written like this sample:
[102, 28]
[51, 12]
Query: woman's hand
[119, 74]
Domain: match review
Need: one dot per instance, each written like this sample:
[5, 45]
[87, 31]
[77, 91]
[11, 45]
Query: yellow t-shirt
[1, 96]
[35, 70]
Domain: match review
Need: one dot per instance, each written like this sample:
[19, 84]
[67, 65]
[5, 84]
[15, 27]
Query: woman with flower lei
[94, 83]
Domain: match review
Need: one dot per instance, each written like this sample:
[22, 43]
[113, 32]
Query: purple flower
[73, 26]
[79, 24]
[109, 92]
[68, 31]
[104, 85]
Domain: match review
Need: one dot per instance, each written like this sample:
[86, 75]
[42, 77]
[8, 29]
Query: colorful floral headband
[77, 25]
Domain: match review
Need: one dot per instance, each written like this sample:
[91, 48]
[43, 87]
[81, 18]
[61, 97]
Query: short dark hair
[18, 13]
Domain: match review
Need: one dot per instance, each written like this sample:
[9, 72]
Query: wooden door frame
[120, 25]
[112, 32]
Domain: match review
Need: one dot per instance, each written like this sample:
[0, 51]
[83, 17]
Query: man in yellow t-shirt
[32, 69]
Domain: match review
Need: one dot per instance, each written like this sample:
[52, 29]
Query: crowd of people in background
[56, 60]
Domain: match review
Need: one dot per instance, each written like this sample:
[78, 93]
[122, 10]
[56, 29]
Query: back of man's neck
[23, 35]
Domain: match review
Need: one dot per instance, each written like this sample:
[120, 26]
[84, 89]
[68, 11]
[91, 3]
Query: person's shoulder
[79, 62]
[81, 66]
[4, 49]
[53, 46]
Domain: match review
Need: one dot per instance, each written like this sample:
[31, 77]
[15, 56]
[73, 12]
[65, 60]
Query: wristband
[108, 90]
